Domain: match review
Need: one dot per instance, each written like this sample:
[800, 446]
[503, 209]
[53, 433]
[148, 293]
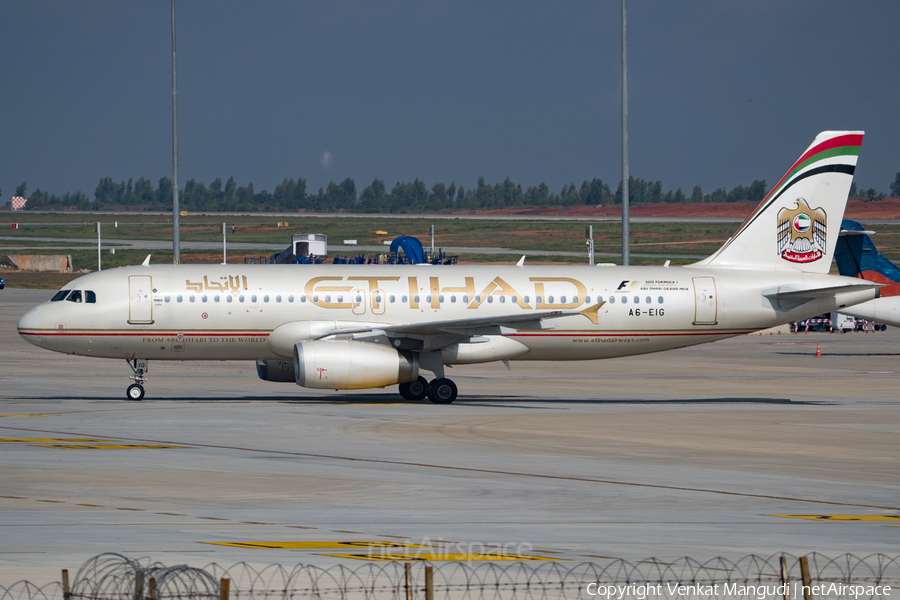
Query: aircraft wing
[471, 326]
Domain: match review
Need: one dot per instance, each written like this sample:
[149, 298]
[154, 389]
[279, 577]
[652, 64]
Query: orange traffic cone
[818, 351]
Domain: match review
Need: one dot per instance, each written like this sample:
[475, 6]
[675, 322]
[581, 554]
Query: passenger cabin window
[502, 299]
[525, 299]
[75, 296]
[179, 298]
[403, 299]
[562, 299]
[537, 299]
[549, 299]
[253, 299]
[587, 299]
[637, 300]
[192, 298]
[216, 298]
[168, 298]
[612, 299]
[60, 295]
[90, 297]
[265, 298]
[660, 299]
[624, 299]
[490, 299]
[465, 299]
[204, 297]
[392, 299]
[277, 298]
[229, 299]
[649, 300]
[241, 298]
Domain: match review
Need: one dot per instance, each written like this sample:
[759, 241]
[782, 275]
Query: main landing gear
[139, 367]
[439, 391]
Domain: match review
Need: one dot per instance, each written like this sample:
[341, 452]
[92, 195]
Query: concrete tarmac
[690, 452]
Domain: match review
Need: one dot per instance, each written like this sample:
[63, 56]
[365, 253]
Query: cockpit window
[90, 297]
[75, 296]
[60, 295]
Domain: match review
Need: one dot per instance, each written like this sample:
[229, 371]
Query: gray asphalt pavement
[700, 452]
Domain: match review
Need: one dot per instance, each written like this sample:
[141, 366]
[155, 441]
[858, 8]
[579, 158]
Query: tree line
[412, 197]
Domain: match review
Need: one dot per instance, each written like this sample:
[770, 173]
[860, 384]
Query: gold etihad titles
[332, 291]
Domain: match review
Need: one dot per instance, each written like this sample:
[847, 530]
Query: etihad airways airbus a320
[354, 327]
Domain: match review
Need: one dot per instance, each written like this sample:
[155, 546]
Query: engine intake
[349, 365]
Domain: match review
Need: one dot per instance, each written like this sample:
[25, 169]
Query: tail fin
[795, 227]
[856, 256]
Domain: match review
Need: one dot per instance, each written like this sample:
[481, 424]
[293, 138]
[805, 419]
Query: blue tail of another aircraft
[856, 256]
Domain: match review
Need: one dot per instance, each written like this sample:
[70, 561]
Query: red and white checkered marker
[17, 202]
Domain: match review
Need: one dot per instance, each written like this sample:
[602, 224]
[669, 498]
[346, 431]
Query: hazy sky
[720, 92]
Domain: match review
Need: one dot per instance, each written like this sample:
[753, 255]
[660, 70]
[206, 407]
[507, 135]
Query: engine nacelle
[348, 365]
[275, 370]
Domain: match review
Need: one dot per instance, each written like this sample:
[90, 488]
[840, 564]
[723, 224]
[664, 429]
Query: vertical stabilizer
[796, 225]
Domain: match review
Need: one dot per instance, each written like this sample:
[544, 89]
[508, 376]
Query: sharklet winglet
[146, 262]
[592, 312]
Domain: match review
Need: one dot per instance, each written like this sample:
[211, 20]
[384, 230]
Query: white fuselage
[229, 312]
[880, 310]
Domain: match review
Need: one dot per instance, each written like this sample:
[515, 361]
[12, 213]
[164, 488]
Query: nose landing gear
[139, 367]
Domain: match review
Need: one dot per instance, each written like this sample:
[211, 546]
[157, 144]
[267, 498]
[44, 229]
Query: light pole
[176, 211]
[626, 253]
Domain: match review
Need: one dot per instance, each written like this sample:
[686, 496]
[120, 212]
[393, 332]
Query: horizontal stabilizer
[784, 293]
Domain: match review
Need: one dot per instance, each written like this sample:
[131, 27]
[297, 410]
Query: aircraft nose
[29, 326]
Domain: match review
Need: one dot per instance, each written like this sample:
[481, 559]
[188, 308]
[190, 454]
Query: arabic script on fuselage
[226, 284]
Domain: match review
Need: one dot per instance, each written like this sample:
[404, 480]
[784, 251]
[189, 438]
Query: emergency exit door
[140, 299]
[705, 303]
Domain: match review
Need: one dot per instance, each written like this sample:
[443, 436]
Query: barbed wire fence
[777, 577]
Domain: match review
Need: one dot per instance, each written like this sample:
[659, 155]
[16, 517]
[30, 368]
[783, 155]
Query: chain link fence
[777, 577]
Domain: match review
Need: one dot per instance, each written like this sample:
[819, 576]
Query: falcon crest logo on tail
[801, 233]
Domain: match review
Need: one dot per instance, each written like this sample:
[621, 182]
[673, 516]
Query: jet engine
[349, 365]
[275, 370]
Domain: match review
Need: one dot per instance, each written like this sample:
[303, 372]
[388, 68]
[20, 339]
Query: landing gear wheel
[135, 392]
[415, 390]
[442, 391]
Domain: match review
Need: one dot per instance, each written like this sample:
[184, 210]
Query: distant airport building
[17, 202]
